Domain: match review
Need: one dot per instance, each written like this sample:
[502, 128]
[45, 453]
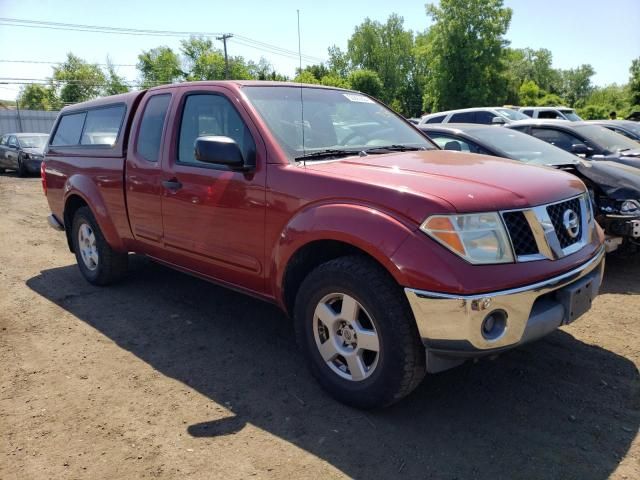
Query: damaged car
[614, 187]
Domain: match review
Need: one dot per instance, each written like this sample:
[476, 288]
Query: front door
[213, 216]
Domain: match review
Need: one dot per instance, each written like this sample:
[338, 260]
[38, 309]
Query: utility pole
[19, 119]
[224, 38]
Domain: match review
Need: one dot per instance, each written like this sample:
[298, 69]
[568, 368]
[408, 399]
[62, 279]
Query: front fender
[83, 187]
[371, 230]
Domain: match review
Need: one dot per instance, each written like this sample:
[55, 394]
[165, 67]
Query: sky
[604, 34]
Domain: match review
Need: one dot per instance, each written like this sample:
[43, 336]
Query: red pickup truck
[393, 258]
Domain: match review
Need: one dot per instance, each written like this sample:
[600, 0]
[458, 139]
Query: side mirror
[220, 151]
[498, 121]
[580, 149]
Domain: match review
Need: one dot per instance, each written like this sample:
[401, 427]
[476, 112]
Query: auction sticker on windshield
[358, 98]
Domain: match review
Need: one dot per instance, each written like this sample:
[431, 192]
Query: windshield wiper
[328, 153]
[392, 148]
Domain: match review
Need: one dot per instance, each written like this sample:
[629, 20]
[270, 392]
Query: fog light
[494, 324]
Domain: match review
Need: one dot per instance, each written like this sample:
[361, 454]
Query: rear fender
[83, 187]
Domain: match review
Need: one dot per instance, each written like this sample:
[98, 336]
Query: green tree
[115, 83]
[576, 84]
[158, 66]
[202, 61]
[366, 81]
[333, 80]
[77, 80]
[528, 64]
[386, 49]
[594, 112]
[318, 71]
[529, 93]
[467, 64]
[306, 77]
[550, 100]
[37, 97]
[338, 62]
[263, 70]
[634, 82]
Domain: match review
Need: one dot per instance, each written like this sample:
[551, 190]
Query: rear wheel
[98, 262]
[358, 334]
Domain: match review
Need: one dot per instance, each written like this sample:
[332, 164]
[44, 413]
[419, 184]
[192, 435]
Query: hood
[617, 180]
[469, 182]
[34, 150]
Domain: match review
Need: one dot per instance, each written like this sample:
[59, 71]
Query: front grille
[556, 214]
[521, 236]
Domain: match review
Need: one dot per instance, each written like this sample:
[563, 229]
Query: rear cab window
[95, 127]
[151, 127]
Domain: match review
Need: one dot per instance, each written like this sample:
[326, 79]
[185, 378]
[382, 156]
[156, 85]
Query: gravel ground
[167, 376]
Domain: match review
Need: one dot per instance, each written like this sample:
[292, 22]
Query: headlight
[479, 238]
[630, 206]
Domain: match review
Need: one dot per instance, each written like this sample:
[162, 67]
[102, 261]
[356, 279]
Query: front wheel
[98, 262]
[22, 168]
[358, 334]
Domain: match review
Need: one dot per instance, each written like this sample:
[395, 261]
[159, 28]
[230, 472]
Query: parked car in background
[614, 187]
[593, 142]
[22, 152]
[486, 115]
[634, 117]
[623, 127]
[551, 113]
[393, 257]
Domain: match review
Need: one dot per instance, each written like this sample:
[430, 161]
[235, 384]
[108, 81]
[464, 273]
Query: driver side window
[13, 141]
[211, 114]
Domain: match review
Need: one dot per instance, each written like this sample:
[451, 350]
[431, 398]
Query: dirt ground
[166, 376]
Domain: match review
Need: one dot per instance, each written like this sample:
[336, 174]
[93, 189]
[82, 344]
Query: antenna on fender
[304, 162]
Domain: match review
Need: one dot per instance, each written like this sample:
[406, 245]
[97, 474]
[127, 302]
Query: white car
[557, 113]
[485, 115]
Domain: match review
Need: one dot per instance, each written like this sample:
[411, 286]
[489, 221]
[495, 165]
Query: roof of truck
[131, 97]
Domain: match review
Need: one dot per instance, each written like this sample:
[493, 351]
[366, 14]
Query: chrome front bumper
[452, 325]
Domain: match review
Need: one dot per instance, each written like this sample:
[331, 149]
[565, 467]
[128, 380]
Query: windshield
[571, 115]
[512, 114]
[610, 141]
[36, 141]
[333, 120]
[523, 147]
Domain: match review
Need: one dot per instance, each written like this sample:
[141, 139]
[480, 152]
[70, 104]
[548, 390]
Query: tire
[22, 169]
[98, 262]
[385, 376]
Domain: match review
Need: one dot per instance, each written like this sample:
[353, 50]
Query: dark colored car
[614, 187]
[623, 127]
[390, 254]
[593, 142]
[22, 152]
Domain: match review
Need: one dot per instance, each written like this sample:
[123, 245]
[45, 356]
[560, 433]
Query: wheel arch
[81, 191]
[325, 232]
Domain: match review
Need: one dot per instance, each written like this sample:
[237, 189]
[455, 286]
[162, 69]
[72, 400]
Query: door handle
[172, 184]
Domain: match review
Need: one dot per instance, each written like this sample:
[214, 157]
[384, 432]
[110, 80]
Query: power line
[62, 63]
[246, 41]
